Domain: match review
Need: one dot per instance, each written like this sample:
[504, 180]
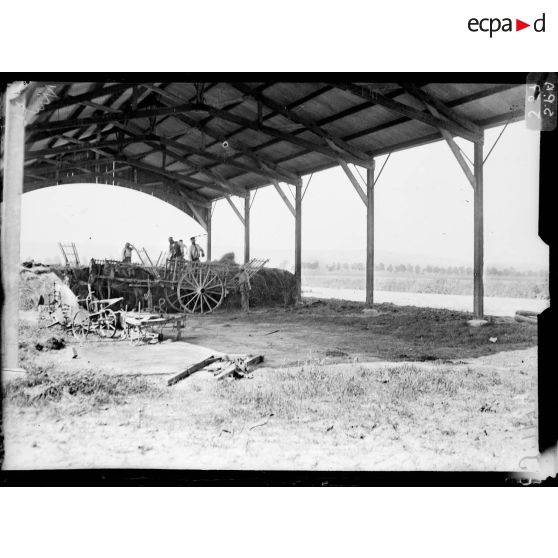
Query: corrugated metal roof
[204, 141]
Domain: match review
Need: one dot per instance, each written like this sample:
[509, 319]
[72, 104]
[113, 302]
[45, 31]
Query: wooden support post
[247, 228]
[208, 221]
[298, 241]
[354, 181]
[370, 236]
[284, 197]
[478, 287]
[197, 213]
[234, 208]
[14, 147]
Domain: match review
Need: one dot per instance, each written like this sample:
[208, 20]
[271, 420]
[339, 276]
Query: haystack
[41, 282]
[269, 287]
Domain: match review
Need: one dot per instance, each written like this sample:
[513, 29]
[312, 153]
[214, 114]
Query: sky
[423, 214]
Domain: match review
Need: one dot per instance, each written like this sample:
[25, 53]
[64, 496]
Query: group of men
[177, 250]
[195, 251]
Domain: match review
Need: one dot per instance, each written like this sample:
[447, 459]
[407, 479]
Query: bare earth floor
[340, 389]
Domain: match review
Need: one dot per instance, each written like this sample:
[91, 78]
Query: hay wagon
[178, 285]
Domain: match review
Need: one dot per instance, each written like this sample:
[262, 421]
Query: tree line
[418, 269]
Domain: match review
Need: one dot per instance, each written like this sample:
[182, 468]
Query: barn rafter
[193, 143]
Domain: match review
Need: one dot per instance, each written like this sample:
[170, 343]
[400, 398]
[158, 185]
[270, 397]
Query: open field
[509, 286]
[340, 388]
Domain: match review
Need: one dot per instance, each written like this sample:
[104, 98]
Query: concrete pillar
[14, 148]
[247, 228]
[370, 236]
[298, 241]
[478, 219]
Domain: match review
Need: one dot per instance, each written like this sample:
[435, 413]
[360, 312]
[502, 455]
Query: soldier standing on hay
[195, 251]
[181, 250]
[173, 248]
[244, 286]
[127, 253]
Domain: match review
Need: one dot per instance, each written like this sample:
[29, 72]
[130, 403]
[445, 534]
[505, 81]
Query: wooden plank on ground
[191, 369]
[527, 319]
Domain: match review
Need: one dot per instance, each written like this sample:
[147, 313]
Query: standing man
[195, 250]
[244, 285]
[181, 250]
[172, 248]
[127, 253]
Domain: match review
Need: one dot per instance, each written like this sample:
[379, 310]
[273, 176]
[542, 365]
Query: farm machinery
[177, 286]
[173, 286]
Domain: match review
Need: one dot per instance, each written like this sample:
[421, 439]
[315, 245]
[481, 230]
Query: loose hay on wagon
[176, 286]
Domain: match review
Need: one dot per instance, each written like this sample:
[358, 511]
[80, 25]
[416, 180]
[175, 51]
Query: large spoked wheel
[81, 324]
[200, 290]
[107, 323]
[171, 296]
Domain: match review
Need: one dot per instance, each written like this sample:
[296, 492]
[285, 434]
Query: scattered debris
[370, 312]
[229, 365]
[527, 313]
[191, 369]
[477, 323]
[270, 332]
[312, 302]
[487, 408]
[336, 353]
[51, 344]
[526, 316]
[493, 339]
[262, 423]
[239, 367]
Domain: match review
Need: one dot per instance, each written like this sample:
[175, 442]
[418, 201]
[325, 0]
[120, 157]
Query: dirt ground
[340, 389]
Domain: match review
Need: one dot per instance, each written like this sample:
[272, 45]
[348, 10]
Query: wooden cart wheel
[81, 324]
[171, 297]
[200, 290]
[107, 323]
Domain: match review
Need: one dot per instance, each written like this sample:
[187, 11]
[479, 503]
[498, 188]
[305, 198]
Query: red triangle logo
[519, 25]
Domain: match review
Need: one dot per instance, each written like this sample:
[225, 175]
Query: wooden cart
[178, 285]
[97, 316]
[145, 327]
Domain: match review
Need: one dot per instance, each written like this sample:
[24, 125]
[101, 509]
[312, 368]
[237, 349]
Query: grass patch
[415, 333]
[316, 393]
[42, 386]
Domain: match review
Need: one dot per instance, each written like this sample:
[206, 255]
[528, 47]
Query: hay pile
[269, 287]
[40, 281]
